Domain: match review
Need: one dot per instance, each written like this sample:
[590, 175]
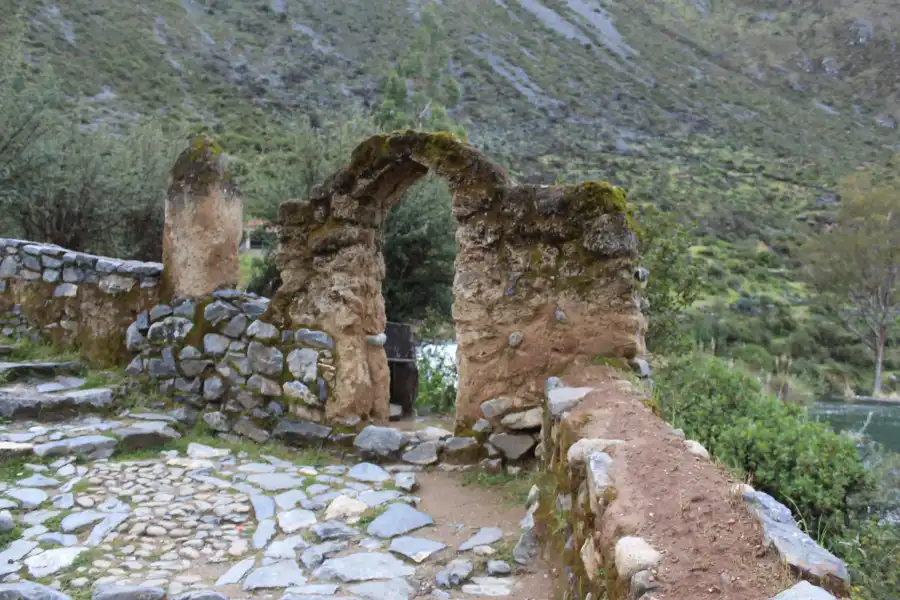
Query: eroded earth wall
[640, 512]
[543, 274]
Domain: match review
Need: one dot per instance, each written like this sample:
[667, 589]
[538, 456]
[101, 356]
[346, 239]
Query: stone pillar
[204, 218]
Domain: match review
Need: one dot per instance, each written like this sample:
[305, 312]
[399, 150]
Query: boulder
[29, 590]
[633, 554]
[266, 360]
[380, 441]
[529, 419]
[461, 450]
[170, 331]
[301, 433]
[795, 547]
[94, 447]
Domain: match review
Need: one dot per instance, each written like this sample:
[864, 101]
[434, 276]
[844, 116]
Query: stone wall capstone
[73, 298]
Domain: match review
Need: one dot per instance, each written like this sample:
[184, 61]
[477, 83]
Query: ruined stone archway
[544, 274]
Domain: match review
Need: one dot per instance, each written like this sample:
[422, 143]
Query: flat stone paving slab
[208, 522]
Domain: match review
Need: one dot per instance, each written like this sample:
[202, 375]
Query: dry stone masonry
[72, 298]
[220, 358]
[543, 274]
[583, 484]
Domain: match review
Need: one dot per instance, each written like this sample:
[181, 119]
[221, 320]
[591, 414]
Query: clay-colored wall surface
[72, 298]
[544, 273]
[204, 220]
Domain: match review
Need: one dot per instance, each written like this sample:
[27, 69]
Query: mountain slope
[742, 115]
[618, 89]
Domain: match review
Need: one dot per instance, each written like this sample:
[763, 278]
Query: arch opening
[543, 274]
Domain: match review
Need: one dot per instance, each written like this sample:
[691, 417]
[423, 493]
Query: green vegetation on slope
[803, 464]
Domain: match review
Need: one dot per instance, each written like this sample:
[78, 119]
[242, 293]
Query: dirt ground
[678, 502]
[459, 511]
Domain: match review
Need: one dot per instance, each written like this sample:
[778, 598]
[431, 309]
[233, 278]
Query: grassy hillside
[739, 115]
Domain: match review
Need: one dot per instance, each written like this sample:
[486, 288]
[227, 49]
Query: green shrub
[800, 462]
[437, 381]
[755, 357]
[872, 551]
[265, 278]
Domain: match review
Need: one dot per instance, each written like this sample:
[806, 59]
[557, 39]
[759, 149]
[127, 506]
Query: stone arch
[544, 274]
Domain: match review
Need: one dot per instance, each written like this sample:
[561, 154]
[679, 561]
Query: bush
[96, 191]
[872, 551]
[437, 380]
[265, 278]
[800, 462]
[755, 357]
[675, 279]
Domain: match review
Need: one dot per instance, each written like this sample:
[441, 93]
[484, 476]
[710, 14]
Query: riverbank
[893, 400]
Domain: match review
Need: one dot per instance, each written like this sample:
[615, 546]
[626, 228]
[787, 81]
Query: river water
[884, 426]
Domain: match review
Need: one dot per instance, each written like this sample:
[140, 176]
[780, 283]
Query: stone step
[11, 371]
[138, 436]
[56, 406]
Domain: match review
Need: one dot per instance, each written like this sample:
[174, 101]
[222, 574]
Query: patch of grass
[97, 379]
[54, 523]
[514, 488]
[144, 396]
[29, 351]
[312, 456]
[81, 487]
[371, 514]
[9, 537]
[65, 577]
[503, 550]
[13, 469]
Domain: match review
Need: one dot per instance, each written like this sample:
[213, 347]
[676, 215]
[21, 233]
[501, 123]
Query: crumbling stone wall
[543, 274]
[226, 364]
[73, 298]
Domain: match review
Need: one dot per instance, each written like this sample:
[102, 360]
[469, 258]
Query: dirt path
[678, 502]
[461, 510]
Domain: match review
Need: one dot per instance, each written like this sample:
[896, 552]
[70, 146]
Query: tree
[419, 252]
[28, 101]
[418, 90]
[854, 270]
[300, 160]
[95, 191]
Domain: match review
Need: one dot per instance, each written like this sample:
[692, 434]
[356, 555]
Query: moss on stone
[201, 164]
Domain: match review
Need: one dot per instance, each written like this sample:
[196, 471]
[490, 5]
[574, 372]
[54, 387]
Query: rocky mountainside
[545, 83]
